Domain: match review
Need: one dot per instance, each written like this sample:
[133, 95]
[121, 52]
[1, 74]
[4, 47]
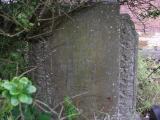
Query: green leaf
[70, 109]
[25, 99]
[14, 101]
[15, 78]
[14, 56]
[31, 24]
[5, 94]
[45, 116]
[24, 80]
[31, 89]
[7, 85]
[14, 92]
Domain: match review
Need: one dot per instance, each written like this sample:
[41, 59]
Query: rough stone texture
[93, 51]
[127, 83]
[83, 63]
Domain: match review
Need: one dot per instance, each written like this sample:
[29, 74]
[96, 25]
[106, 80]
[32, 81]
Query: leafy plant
[20, 13]
[18, 90]
[12, 57]
[13, 93]
[44, 116]
[70, 109]
[30, 112]
[148, 89]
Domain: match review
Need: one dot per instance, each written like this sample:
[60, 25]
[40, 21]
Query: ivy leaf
[14, 101]
[25, 99]
[31, 89]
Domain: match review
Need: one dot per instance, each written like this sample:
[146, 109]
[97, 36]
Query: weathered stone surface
[128, 57]
[87, 62]
[92, 52]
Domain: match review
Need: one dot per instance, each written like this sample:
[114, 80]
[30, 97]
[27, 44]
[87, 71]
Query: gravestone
[91, 57]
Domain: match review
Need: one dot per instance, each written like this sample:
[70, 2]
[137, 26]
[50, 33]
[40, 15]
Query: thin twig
[46, 19]
[71, 98]
[6, 17]
[71, 115]
[39, 106]
[28, 71]
[154, 71]
[21, 112]
[18, 117]
[79, 94]
[39, 35]
[17, 68]
[60, 114]
[47, 106]
[6, 60]
[95, 118]
[11, 35]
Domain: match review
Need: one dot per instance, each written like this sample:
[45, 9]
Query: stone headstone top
[94, 52]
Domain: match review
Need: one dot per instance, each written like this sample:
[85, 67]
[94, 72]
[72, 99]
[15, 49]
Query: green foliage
[30, 112]
[45, 116]
[20, 13]
[16, 100]
[148, 90]
[12, 60]
[18, 90]
[24, 21]
[70, 109]
[13, 93]
[153, 13]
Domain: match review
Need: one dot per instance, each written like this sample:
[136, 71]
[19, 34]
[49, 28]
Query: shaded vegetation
[12, 57]
[148, 85]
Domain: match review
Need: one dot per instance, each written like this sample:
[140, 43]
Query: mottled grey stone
[128, 57]
[92, 52]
